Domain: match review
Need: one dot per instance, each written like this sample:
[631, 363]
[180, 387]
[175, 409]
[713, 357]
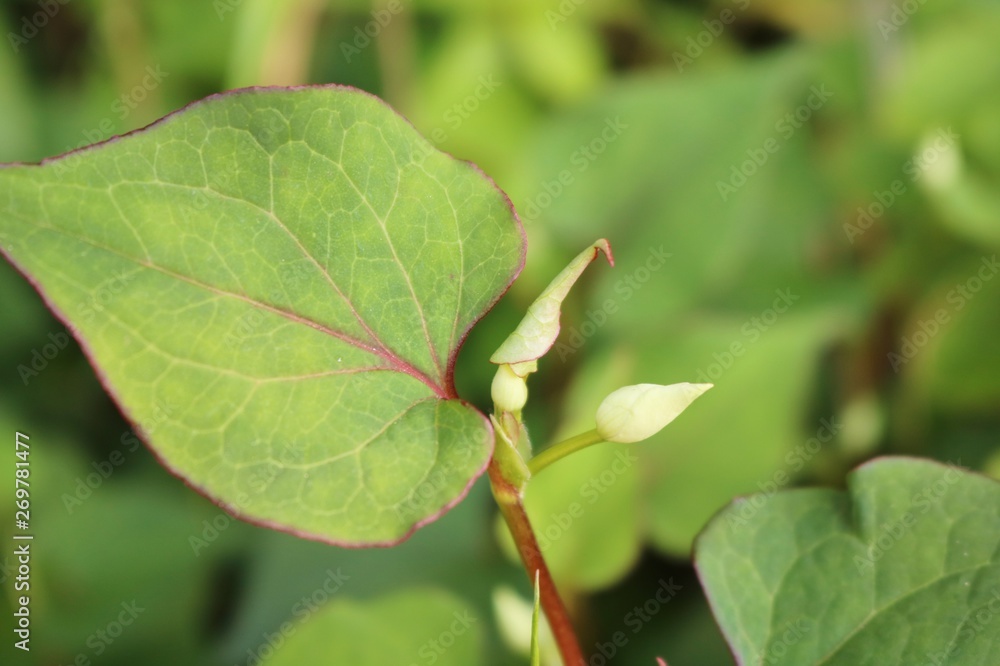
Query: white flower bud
[634, 413]
[510, 392]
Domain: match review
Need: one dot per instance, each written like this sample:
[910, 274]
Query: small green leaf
[413, 627]
[536, 655]
[295, 271]
[903, 568]
[523, 626]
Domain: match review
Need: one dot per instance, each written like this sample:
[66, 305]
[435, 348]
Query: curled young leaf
[538, 331]
[634, 413]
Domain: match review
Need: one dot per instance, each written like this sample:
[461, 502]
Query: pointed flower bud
[634, 413]
[509, 391]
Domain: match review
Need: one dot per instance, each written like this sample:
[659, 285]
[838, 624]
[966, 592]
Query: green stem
[563, 449]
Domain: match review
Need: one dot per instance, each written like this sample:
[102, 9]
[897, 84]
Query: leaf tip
[603, 245]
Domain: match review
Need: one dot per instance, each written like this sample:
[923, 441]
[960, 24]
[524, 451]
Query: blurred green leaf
[17, 132]
[701, 206]
[208, 36]
[273, 40]
[748, 431]
[573, 65]
[968, 205]
[412, 627]
[283, 570]
[113, 575]
[467, 101]
[903, 569]
[943, 68]
[947, 348]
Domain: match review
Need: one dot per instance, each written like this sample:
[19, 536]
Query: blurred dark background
[802, 199]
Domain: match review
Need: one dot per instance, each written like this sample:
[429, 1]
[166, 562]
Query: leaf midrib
[398, 363]
[270, 214]
[385, 232]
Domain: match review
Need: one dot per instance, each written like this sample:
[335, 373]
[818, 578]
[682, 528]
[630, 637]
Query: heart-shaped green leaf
[902, 569]
[291, 272]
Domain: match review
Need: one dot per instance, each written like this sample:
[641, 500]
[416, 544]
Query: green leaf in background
[942, 346]
[413, 627]
[78, 590]
[903, 568]
[293, 272]
[702, 461]
[663, 175]
[605, 503]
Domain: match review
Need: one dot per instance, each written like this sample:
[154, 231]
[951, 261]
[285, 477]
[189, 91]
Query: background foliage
[801, 197]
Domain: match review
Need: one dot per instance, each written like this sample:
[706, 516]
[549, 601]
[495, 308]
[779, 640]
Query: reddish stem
[514, 514]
